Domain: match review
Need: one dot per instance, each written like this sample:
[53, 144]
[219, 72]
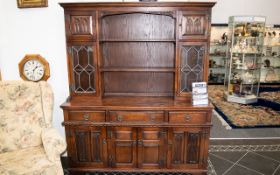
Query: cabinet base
[242, 100]
[131, 172]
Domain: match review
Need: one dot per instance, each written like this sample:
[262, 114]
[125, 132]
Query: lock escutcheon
[188, 118]
[120, 118]
[86, 117]
[152, 118]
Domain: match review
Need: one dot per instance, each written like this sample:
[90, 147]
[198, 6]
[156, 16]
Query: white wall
[41, 30]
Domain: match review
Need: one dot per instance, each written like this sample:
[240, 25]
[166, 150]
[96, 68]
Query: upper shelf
[137, 27]
[137, 40]
[137, 69]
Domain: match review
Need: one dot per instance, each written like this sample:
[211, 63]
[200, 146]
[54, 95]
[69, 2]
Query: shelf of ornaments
[271, 67]
[219, 55]
[243, 66]
[246, 69]
[246, 52]
[247, 37]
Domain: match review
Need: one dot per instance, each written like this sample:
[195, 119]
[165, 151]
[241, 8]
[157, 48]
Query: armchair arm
[53, 143]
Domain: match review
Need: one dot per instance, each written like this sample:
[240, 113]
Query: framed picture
[32, 3]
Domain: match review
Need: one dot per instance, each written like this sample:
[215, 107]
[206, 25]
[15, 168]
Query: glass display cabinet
[218, 50]
[246, 37]
[270, 70]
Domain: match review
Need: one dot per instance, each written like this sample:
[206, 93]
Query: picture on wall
[32, 3]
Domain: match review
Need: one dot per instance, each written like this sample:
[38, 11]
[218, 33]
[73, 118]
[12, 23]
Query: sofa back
[25, 109]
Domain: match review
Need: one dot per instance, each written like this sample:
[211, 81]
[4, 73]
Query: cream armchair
[28, 143]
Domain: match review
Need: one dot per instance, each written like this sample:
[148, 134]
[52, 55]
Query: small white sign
[199, 93]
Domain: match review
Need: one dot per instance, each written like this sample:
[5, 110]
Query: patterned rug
[265, 113]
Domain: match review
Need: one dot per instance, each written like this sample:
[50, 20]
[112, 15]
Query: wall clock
[33, 67]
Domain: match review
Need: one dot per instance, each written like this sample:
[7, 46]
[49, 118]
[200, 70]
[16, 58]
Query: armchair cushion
[25, 113]
[29, 161]
[21, 115]
[54, 144]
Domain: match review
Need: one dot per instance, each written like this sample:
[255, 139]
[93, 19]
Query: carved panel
[82, 146]
[193, 25]
[178, 148]
[193, 147]
[81, 25]
[96, 146]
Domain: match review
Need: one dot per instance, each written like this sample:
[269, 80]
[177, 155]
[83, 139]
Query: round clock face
[33, 70]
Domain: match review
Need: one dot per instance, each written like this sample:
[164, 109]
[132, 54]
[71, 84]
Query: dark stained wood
[136, 116]
[138, 54]
[130, 69]
[93, 116]
[85, 5]
[188, 117]
[123, 147]
[193, 25]
[135, 26]
[88, 145]
[186, 147]
[152, 152]
[133, 103]
[132, 83]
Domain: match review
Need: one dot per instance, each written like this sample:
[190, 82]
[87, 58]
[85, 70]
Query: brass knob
[86, 117]
[188, 118]
[153, 118]
[140, 142]
[120, 118]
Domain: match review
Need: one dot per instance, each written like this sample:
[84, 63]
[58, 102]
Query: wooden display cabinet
[130, 68]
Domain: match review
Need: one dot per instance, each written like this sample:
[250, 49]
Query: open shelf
[138, 83]
[137, 25]
[137, 40]
[137, 54]
[138, 69]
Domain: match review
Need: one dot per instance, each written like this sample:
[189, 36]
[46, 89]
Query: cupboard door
[192, 66]
[83, 69]
[88, 146]
[122, 148]
[152, 148]
[194, 25]
[187, 148]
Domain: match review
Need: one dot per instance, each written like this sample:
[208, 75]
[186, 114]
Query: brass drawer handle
[188, 118]
[120, 118]
[152, 118]
[86, 117]
[140, 142]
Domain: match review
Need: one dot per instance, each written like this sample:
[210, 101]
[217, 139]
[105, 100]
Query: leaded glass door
[83, 69]
[191, 66]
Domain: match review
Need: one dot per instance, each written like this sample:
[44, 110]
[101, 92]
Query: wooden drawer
[188, 117]
[93, 116]
[139, 116]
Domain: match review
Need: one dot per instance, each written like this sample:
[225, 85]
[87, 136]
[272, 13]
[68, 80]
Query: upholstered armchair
[28, 143]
